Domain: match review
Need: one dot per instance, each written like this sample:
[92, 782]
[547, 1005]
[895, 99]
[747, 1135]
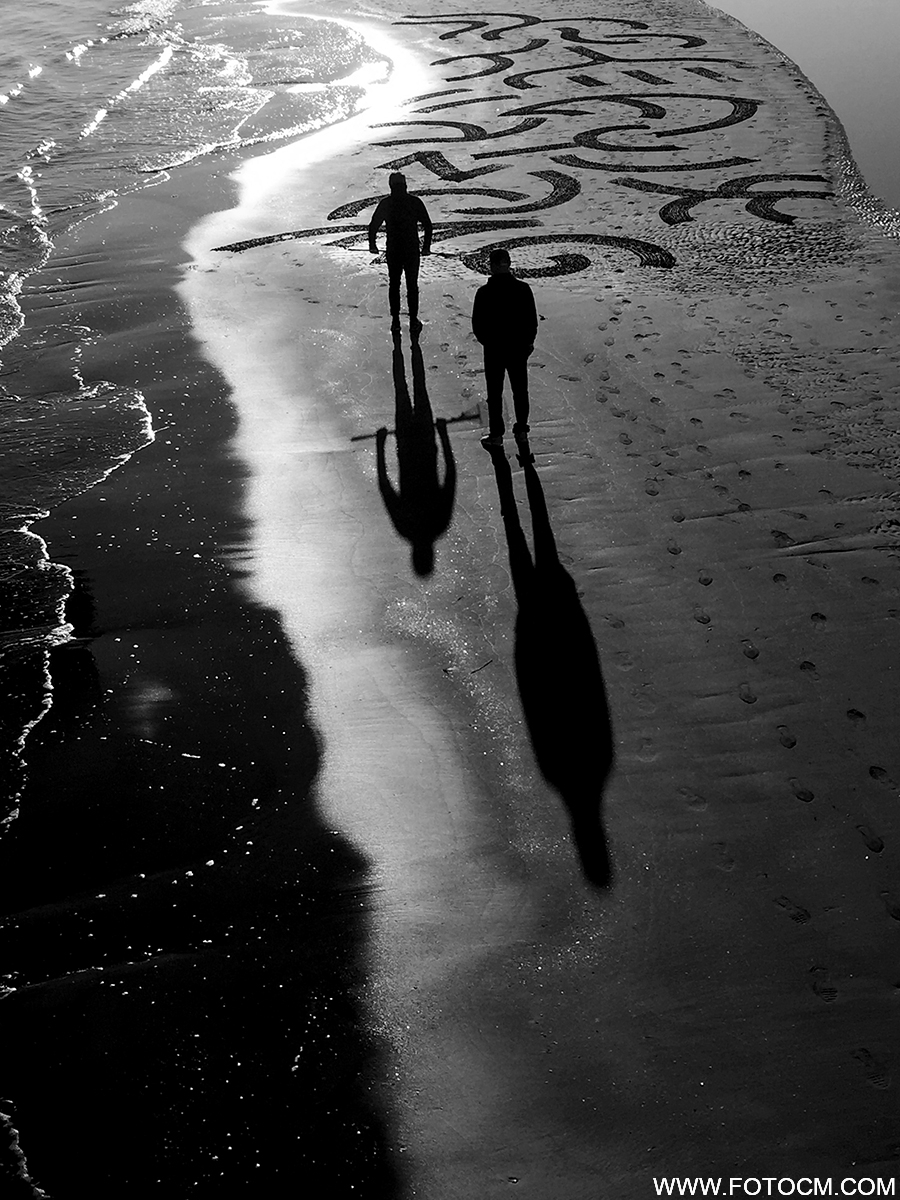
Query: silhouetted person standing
[402, 214]
[505, 321]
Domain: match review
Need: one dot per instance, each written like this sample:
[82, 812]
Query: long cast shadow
[558, 673]
[421, 505]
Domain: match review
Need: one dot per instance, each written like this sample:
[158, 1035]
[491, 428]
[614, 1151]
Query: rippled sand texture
[625, 761]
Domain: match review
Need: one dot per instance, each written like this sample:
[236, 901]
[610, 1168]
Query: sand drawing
[662, 131]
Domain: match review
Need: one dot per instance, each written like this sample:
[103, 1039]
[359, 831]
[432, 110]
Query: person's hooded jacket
[504, 316]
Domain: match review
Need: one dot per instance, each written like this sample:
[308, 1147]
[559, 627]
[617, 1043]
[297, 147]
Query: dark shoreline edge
[853, 188]
[146, 782]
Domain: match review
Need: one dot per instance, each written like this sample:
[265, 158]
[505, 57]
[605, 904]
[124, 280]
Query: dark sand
[379, 951]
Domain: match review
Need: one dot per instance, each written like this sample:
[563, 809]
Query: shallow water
[849, 51]
[98, 101]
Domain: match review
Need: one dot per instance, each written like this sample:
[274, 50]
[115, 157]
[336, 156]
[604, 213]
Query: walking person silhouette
[505, 321]
[402, 214]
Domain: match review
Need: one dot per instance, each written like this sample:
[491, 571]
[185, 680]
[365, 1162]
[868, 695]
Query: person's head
[499, 261]
[397, 183]
[423, 558]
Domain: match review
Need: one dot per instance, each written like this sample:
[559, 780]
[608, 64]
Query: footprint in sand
[677, 516]
[589, 358]
[786, 738]
[746, 694]
[809, 668]
[623, 660]
[725, 861]
[739, 416]
[881, 776]
[854, 715]
[647, 752]
[803, 794]
[891, 906]
[876, 1073]
[625, 439]
[795, 911]
[616, 622]
[694, 801]
[651, 487]
[645, 699]
[673, 547]
[871, 838]
[822, 986]
[701, 616]
[704, 578]
[819, 620]
[748, 649]
[744, 474]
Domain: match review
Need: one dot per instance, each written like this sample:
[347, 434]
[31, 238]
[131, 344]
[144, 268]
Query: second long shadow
[558, 673]
[421, 505]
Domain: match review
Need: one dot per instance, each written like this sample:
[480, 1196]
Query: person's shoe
[523, 455]
[415, 327]
[492, 441]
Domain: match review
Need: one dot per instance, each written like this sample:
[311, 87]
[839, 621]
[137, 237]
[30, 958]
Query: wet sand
[570, 862]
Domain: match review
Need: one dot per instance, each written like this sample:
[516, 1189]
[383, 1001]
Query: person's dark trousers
[497, 364]
[397, 266]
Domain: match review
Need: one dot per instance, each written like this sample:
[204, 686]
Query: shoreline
[861, 111]
[855, 190]
[440, 966]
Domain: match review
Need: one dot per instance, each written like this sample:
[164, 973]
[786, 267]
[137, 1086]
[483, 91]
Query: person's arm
[388, 494]
[428, 228]
[530, 322]
[447, 489]
[479, 324]
[376, 223]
